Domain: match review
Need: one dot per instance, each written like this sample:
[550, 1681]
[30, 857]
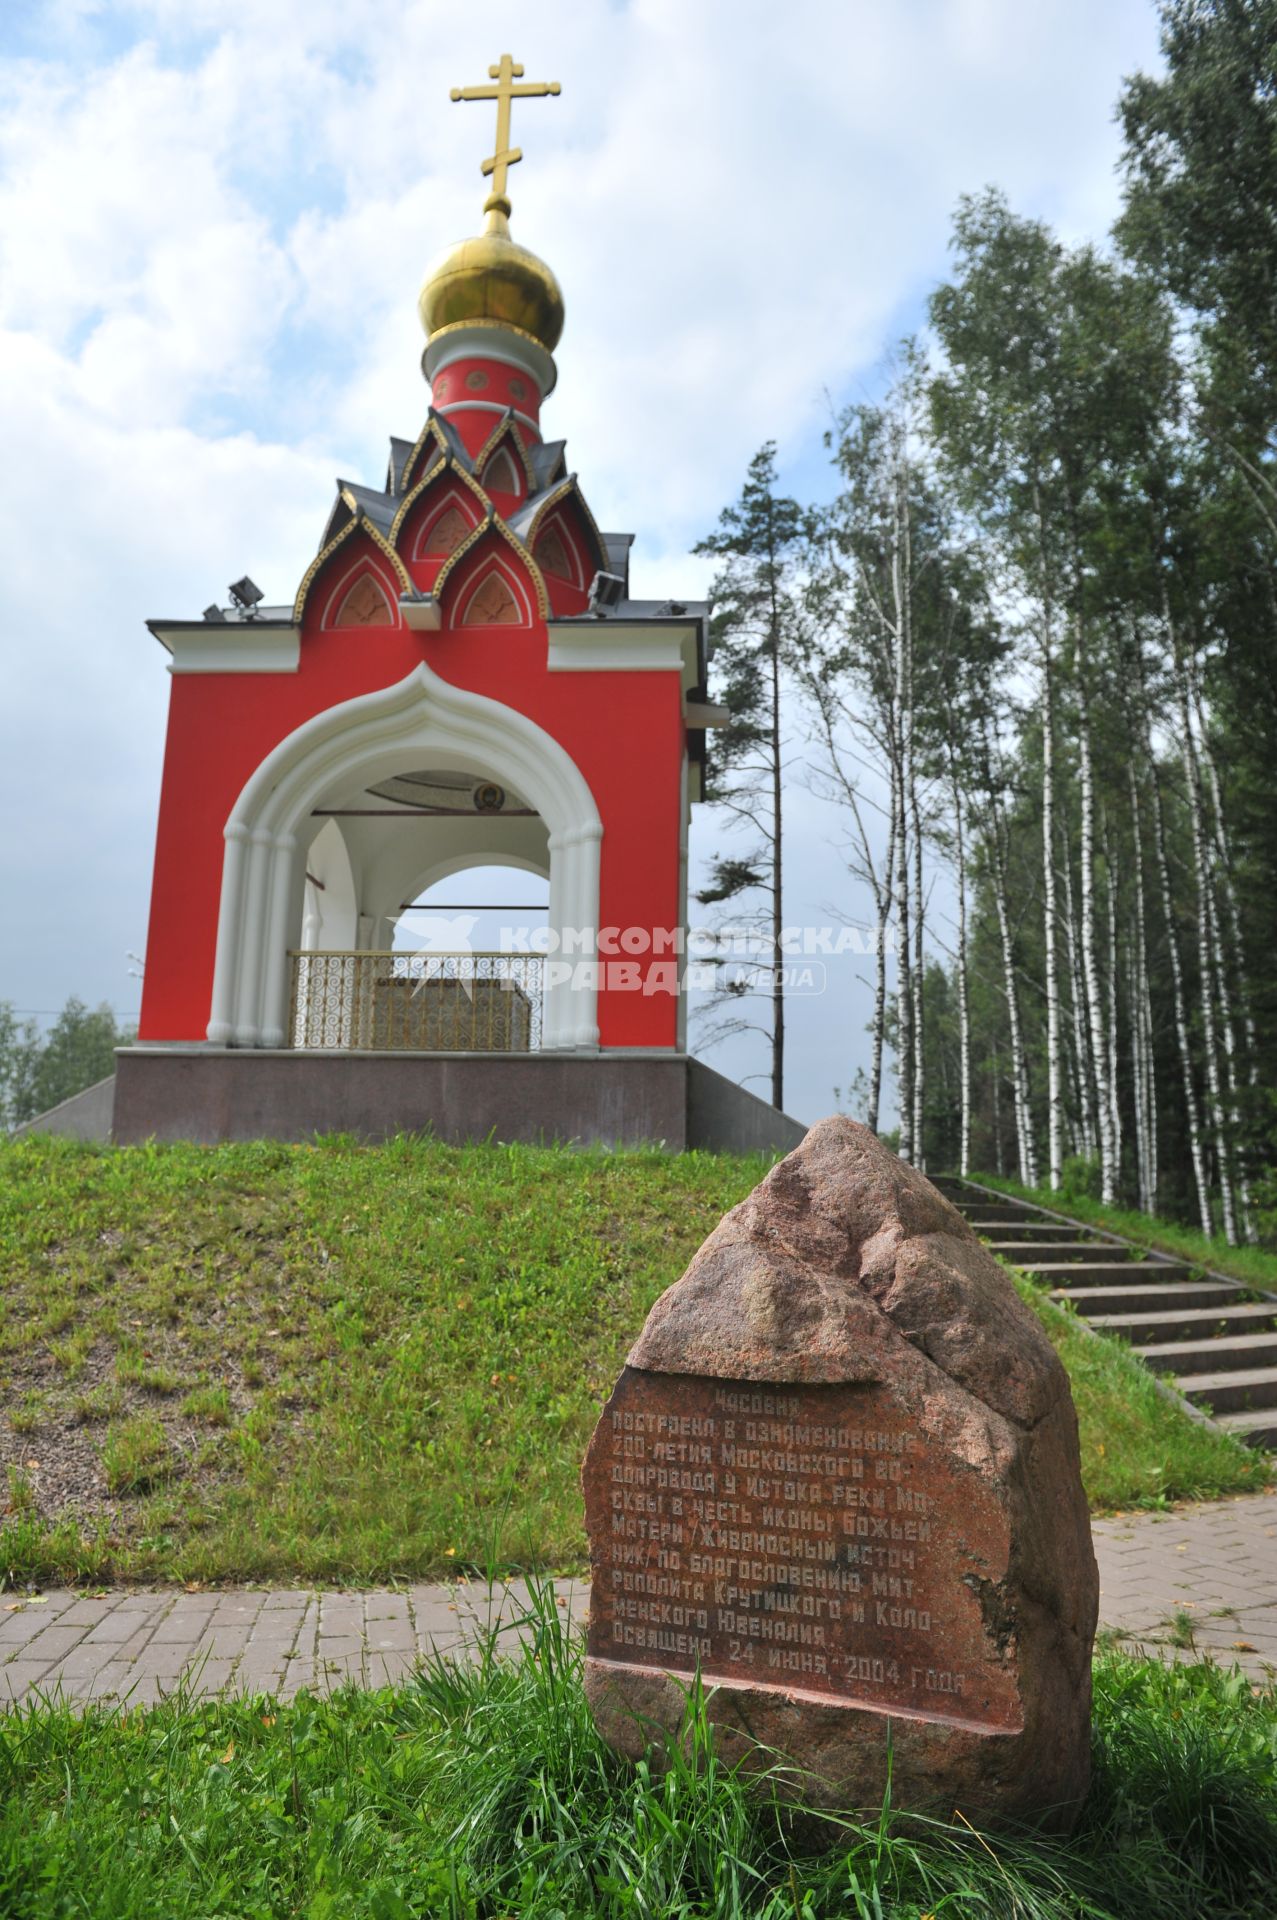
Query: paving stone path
[1216, 1564]
[1206, 1575]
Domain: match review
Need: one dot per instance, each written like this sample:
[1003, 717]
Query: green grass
[136, 1455]
[485, 1791]
[357, 1359]
[354, 1364]
[1254, 1266]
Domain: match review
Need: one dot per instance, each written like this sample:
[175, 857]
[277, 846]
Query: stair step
[1121, 1272]
[1141, 1327]
[1212, 1355]
[1238, 1392]
[1257, 1426]
[1047, 1231]
[998, 1209]
[1030, 1253]
[1090, 1301]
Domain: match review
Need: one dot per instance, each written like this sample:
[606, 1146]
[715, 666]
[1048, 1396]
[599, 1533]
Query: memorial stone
[839, 1479]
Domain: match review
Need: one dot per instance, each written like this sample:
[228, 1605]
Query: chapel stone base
[209, 1094]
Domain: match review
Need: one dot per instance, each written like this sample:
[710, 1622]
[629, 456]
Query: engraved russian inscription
[840, 1479]
[799, 1537]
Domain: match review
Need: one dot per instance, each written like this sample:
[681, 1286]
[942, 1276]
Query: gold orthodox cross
[505, 73]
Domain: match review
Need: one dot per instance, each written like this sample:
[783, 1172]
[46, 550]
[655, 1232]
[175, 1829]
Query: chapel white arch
[421, 721]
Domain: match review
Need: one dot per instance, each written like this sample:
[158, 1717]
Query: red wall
[623, 730]
[502, 386]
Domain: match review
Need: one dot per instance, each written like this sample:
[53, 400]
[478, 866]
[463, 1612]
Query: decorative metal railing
[416, 1002]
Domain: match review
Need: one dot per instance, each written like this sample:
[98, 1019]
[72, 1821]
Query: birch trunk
[1205, 957]
[964, 1000]
[1023, 1123]
[904, 546]
[1141, 1009]
[999, 1155]
[1077, 1144]
[1115, 1104]
[1224, 862]
[1081, 1045]
[1226, 893]
[828, 712]
[883, 903]
[919, 979]
[1025, 1144]
[901, 747]
[1137, 1072]
[1220, 981]
[1055, 1091]
[778, 956]
[1054, 1040]
[1090, 964]
[1192, 1112]
[904, 982]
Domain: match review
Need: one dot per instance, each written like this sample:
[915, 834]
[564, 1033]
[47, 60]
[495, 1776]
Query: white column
[221, 1023]
[311, 917]
[570, 1018]
[586, 844]
[275, 961]
[553, 994]
[248, 987]
[684, 821]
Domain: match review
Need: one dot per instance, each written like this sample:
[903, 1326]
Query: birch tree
[893, 600]
[1053, 358]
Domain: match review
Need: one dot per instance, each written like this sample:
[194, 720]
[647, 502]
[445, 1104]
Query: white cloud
[210, 247]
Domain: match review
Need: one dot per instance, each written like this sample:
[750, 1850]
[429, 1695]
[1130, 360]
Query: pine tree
[756, 637]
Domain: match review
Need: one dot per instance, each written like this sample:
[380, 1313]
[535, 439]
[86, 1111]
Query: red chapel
[462, 680]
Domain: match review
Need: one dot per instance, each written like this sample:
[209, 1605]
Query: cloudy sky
[214, 219]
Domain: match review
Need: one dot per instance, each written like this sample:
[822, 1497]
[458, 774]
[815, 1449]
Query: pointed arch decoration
[359, 525]
[500, 474]
[497, 527]
[506, 434]
[493, 601]
[451, 478]
[444, 534]
[554, 555]
[566, 504]
[362, 604]
[430, 446]
[421, 721]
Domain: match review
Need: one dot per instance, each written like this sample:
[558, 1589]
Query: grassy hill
[350, 1363]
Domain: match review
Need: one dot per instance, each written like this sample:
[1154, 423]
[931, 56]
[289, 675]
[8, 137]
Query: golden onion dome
[492, 281]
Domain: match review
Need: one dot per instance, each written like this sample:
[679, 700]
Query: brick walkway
[1216, 1563]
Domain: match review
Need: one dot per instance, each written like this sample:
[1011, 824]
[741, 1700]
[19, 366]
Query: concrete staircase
[1214, 1339]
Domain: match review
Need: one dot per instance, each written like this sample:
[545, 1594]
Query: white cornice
[211, 647]
[703, 713]
[421, 612]
[492, 342]
[491, 406]
[607, 646]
